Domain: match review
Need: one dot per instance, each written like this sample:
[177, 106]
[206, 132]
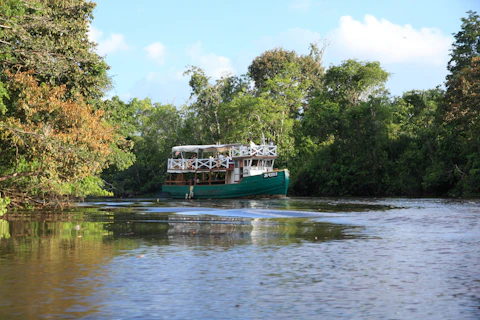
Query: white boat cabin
[224, 163]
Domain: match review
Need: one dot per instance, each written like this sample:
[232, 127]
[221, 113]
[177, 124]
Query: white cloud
[157, 52]
[386, 42]
[94, 34]
[114, 43]
[213, 65]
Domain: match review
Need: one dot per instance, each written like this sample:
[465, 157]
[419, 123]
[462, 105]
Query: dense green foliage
[50, 38]
[339, 130]
[152, 129]
[55, 139]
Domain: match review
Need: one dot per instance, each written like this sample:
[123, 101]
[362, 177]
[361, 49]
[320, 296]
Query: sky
[149, 44]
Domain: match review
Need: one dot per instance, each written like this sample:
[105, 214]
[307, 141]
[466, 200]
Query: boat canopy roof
[205, 148]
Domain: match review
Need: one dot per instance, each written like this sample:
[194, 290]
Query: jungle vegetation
[339, 130]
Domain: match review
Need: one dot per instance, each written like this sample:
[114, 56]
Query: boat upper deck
[219, 162]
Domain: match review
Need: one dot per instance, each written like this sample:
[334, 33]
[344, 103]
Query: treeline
[338, 129]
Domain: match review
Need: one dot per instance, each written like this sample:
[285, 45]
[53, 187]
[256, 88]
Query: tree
[466, 45]
[287, 96]
[462, 83]
[252, 117]
[346, 127]
[269, 64]
[153, 129]
[354, 81]
[459, 142]
[280, 62]
[51, 146]
[208, 99]
[50, 38]
[457, 168]
[124, 118]
[345, 87]
[54, 137]
[412, 140]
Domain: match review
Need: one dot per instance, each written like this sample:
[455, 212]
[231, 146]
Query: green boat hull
[271, 184]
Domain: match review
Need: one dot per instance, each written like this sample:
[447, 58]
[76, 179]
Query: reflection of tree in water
[53, 256]
[57, 250]
[207, 230]
[137, 229]
[93, 224]
[299, 229]
[4, 229]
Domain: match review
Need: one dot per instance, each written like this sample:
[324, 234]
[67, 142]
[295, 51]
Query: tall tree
[412, 139]
[346, 126]
[208, 99]
[345, 87]
[458, 158]
[353, 81]
[280, 62]
[54, 137]
[466, 45]
[459, 142]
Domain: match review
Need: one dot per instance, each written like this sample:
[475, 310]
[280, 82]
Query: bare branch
[20, 131]
[5, 42]
[21, 174]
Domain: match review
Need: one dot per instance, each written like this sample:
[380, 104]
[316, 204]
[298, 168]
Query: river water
[293, 258]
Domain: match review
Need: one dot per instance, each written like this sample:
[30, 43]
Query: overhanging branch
[17, 174]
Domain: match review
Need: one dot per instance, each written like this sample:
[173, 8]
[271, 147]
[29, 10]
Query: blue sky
[149, 44]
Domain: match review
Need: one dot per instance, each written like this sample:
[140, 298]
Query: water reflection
[56, 263]
[288, 258]
[23, 230]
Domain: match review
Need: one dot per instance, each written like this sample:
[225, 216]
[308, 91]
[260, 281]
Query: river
[292, 258]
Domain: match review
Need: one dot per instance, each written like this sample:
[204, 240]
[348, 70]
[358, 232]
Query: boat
[222, 171]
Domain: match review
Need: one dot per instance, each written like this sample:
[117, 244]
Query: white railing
[198, 164]
[262, 150]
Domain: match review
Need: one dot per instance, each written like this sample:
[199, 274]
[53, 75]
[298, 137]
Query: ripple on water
[244, 259]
